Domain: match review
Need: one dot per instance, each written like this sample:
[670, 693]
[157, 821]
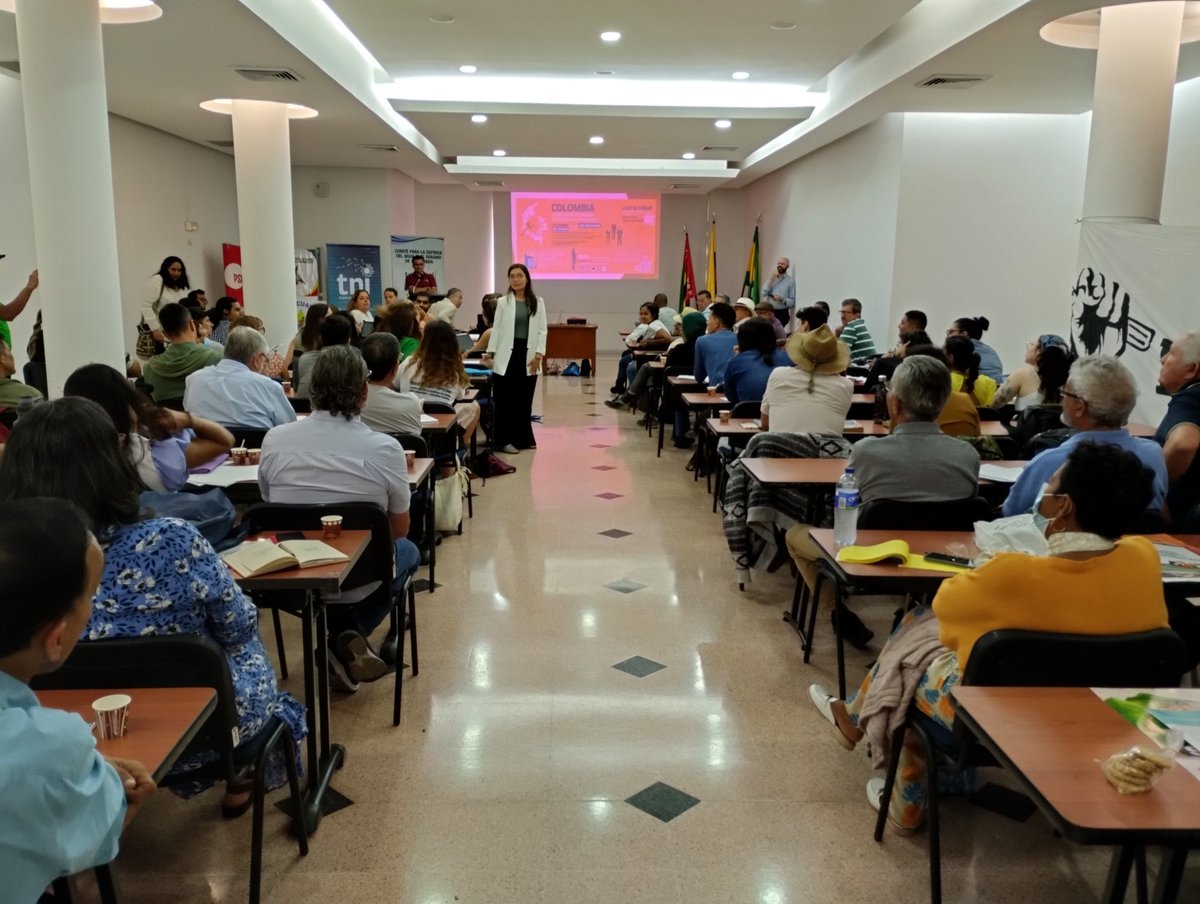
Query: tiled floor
[522, 745]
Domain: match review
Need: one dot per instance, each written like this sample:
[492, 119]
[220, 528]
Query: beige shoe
[875, 798]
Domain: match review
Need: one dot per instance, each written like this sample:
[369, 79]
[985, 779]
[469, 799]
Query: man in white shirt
[387, 410]
[447, 307]
[743, 310]
[234, 393]
[330, 457]
[650, 332]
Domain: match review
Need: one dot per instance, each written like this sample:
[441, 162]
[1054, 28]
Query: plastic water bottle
[845, 510]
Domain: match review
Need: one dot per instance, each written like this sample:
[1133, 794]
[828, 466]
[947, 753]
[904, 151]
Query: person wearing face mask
[780, 291]
[1095, 580]
[1097, 400]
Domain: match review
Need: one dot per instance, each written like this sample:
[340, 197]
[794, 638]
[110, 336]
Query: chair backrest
[250, 437]
[176, 661]
[300, 406]
[957, 514]
[1035, 419]
[412, 442]
[1047, 439]
[1019, 658]
[379, 562]
[746, 409]
[989, 414]
[437, 407]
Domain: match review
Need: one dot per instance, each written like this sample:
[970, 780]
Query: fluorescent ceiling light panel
[610, 37]
[468, 69]
[478, 117]
[596, 139]
[586, 166]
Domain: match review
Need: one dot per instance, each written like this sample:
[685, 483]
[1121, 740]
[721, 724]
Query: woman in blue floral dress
[160, 576]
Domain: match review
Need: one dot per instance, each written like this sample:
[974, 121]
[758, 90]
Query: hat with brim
[746, 303]
[819, 352]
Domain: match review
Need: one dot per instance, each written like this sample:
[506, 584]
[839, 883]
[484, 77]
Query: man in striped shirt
[853, 331]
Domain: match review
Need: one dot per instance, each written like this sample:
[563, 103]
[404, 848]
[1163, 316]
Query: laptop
[465, 341]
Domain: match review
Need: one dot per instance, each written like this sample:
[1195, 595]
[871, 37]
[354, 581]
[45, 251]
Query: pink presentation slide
[586, 236]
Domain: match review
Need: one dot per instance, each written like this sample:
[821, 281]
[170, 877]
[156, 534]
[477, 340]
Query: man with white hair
[234, 393]
[780, 291]
[1098, 398]
[1179, 432]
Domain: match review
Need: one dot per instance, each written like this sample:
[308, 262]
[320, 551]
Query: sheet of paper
[226, 476]
[998, 474]
[428, 419]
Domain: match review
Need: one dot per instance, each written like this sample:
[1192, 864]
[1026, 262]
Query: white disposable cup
[112, 716]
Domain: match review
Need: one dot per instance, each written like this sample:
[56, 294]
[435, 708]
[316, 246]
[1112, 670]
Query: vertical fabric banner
[430, 247]
[231, 260]
[710, 270]
[350, 268]
[1135, 292]
[687, 278]
[750, 280]
[308, 280]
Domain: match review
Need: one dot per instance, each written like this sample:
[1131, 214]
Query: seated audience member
[765, 312]
[308, 337]
[161, 444]
[62, 804]
[915, 463]
[747, 372]
[743, 310]
[486, 318]
[422, 302]
[185, 354]
[824, 306]
[885, 365]
[277, 363]
[295, 468]
[160, 575]
[813, 396]
[402, 321]
[1098, 398]
[1039, 381]
[447, 307]
[1179, 432]
[434, 373]
[973, 328]
[704, 300]
[683, 355]
[481, 319]
[12, 391]
[811, 317]
[335, 329]
[715, 348]
[387, 410]
[234, 393]
[196, 299]
[1092, 582]
[224, 317]
[853, 331]
[965, 374]
[204, 329]
[959, 416]
[910, 322]
[359, 310]
[650, 332]
[390, 296]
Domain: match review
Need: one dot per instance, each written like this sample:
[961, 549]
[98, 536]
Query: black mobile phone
[284, 536]
[948, 559]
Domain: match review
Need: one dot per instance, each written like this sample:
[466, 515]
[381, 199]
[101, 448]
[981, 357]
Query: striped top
[855, 335]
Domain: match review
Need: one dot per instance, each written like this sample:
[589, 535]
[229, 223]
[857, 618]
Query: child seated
[62, 804]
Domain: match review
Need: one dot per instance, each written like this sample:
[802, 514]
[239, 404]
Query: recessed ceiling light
[610, 37]
[113, 12]
[499, 153]
[782, 26]
[741, 75]
[722, 123]
[478, 117]
[605, 72]
[442, 20]
[596, 139]
[689, 156]
[468, 69]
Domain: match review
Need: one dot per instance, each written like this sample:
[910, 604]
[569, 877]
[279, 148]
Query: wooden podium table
[570, 340]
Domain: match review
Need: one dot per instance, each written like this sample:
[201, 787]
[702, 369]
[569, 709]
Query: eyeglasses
[1076, 397]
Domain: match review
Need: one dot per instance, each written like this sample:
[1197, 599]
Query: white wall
[16, 214]
[464, 218]
[1181, 199]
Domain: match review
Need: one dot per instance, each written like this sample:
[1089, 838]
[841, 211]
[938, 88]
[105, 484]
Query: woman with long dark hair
[169, 284]
[1040, 380]
[973, 328]
[403, 321]
[965, 375]
[435, 373]
[516, 350]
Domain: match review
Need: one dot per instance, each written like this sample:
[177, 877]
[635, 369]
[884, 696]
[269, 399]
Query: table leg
[431, 531]
[324, 760]
[1118, 875]
[307, 620]
[1170, 875]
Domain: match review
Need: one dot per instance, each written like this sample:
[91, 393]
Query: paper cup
[410, 457]
[725, 417]
[252, 456]
[112, 716]
[238, 455]
[332, 526]
[712, 390]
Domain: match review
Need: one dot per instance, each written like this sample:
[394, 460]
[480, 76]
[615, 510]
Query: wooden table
[685, 381]
[1050, 740]
[443, 423]
[162, 721]
[815, 471]
[570, 340]
[312, 582]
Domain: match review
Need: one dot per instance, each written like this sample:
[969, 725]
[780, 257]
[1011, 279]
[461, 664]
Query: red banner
[231, 256]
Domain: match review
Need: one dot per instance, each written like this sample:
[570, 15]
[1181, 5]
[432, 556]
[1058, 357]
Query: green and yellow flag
[750, 281]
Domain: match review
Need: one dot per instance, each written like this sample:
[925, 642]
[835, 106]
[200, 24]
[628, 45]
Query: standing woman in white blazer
[515, 352]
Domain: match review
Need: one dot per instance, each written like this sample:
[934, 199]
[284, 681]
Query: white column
[1136, 65]
[70, 182]
[263, 163]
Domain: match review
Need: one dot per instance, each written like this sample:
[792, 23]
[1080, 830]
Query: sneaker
[339, 678]
[875, 799]
[361, 662]
[508, 449]
[823, 702]
[614, 403]
[616, 390]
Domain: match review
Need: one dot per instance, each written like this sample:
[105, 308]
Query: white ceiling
[386, 75]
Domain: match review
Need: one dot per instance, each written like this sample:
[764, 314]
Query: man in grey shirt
[916, 463]
[387, 410]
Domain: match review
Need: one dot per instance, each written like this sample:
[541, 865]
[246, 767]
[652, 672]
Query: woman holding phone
[515, 351]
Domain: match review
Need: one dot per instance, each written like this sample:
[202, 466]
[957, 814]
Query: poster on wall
[1135, 292]
[349, 268]
[231, 259]
[405, 248]
[308, 280]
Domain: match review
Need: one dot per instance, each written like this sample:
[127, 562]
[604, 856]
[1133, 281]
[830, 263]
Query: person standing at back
[780, 292]
[169, 284]
[515, 352]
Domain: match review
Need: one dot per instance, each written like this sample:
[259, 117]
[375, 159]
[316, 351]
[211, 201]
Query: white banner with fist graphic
[1136, 289]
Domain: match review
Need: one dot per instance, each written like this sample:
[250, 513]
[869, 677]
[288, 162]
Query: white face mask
[1039, 519]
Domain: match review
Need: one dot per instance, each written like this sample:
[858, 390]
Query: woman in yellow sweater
[1090, 583]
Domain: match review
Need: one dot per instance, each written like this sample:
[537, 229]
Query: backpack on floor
[488, 464]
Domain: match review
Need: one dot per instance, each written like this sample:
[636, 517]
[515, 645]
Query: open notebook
[255, 557]
[893, 552]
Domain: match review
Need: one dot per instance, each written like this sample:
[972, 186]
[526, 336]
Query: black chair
[748, 410]
[1016, 658]
[989, 414]
[34, 373]
[192, 661]
[669, 401]
[300, 406]
[1034, 420]
[882, 514]
[377, 564]
[249, 437]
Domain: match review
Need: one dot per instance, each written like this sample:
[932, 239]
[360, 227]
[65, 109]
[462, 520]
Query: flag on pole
[687, 277]
[710, 272]
[750, 281]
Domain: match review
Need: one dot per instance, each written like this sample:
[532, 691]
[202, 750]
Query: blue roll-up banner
[349, 268]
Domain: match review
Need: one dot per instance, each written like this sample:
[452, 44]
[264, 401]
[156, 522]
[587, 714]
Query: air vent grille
[953, 82]
[684, 185]
[489, 184]
[266, 74]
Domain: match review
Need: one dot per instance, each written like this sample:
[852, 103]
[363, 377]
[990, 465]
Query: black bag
[488, 464]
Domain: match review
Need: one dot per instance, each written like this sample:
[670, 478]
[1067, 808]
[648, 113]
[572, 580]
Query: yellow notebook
[255, 557]
[893, 552]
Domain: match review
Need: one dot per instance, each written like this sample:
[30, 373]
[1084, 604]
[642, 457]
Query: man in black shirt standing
[1179, 432]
